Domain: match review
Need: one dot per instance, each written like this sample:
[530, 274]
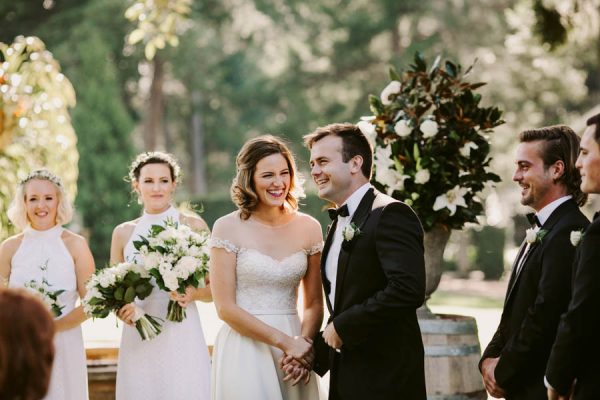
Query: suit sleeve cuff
[547, 384]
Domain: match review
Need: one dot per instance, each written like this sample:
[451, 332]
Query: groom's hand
[331, 337]
[488, 366]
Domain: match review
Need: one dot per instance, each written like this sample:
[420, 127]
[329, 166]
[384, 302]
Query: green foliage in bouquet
[430, 142]
[113, 298]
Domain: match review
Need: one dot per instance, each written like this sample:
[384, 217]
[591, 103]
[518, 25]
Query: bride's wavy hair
[17, 211]
[243, 192]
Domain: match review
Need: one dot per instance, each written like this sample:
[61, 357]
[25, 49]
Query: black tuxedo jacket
[535, 299]
[380, 283]
[576, 354]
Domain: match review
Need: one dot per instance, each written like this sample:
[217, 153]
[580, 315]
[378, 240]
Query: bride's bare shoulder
[308, 222]
[227, 222]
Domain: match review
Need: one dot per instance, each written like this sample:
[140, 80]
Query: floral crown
[158, 156]
[42, 174]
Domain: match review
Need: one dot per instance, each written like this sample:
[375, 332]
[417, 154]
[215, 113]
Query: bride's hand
[293, 370]
[300, 349]
[183, 299]
[127, 313]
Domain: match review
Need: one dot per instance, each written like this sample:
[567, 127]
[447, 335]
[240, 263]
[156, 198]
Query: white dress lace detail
[222, 244]
[314, 249]
[69, 371]
[175, 365]
[267, 288]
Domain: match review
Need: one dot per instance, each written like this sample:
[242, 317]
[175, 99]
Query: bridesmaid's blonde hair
[17, 212]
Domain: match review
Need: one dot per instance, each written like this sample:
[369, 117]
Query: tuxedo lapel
[326, 246]
[359, 218]
[561, 210]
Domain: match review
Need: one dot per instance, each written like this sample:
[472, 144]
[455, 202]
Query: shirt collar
[354, 200]
[545, 212]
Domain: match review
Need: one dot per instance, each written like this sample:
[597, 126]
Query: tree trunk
[153, 133]
[198, 149]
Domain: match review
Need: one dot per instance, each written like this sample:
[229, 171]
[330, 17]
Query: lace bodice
[265, 285]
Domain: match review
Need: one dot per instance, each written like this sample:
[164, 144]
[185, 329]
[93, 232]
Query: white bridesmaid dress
[69, 371]
[175, 365]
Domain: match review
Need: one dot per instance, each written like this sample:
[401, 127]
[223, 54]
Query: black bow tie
[335, 212]
[533, 219]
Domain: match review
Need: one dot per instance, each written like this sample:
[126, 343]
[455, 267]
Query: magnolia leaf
[451, 69]
[420, 64]
[435, 66]
[376, 105]
[394, 75]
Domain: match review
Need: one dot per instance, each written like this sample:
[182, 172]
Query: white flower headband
[143, 159]
[42, 174]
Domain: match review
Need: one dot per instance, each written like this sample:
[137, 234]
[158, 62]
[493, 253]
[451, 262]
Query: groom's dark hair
[354, 143]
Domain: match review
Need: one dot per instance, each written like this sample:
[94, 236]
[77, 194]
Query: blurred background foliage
[240, 68]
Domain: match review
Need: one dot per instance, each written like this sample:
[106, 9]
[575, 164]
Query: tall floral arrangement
[431, 143]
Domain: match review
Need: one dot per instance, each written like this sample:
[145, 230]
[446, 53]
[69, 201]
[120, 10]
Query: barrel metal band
[444, 327]
[452, 350]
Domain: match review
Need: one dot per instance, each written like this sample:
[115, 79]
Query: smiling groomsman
[574, 365]
[514, 362]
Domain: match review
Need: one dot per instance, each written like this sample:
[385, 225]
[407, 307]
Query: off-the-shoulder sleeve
[223, 244]
[314, 249]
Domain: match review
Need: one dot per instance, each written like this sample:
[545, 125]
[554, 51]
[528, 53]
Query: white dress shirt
[333, 254]
[542, 216]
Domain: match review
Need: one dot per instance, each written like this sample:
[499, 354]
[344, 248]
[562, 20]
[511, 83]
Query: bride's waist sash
[289, 311]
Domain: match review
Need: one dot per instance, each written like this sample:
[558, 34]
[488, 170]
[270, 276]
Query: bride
[260, 254]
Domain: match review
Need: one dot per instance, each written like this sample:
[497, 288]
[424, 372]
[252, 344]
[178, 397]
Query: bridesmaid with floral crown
[174, 365]
[54, 263]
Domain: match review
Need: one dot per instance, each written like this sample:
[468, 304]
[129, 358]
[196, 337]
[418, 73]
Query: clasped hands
[297, 361]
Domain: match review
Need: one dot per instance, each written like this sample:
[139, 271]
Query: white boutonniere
[576, 237]
[350, 232]
[532, 237]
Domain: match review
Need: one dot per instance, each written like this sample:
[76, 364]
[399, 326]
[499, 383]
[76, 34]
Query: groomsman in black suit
[514, 362]
[373, 276]
[574, 364]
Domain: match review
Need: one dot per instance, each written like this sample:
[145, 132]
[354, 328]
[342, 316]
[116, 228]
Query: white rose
[429, 128]
[186, 266]
[392, 88]
[576, 237]
[465, 151]
[152, 260]
[348, 232]
[171, 281]
[402, 128]
[422, 176]
[531, 236]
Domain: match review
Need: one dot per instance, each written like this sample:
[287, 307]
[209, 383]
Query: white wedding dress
[69, 371]
[173, 366]
[247, 369]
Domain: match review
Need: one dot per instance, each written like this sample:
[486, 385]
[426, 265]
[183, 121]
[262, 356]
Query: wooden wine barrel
[452, 353]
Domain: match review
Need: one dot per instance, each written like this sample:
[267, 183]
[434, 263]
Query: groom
[373, 276]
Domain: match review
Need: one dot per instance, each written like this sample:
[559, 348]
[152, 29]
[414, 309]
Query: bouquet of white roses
[431, 145]
[177, 257]
[111, 288]
[49, 297]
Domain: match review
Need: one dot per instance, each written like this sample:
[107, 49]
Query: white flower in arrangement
[350, 231]
[576, 237]
[152, 260]
[391, 178]
[422, 177]
[402, 128]
[368, 129]
[155, 242]
[465, 151]
[383, 156]
[107, 278]
[392, 88]
[186, 266]
[451, 199]
[429, 128]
